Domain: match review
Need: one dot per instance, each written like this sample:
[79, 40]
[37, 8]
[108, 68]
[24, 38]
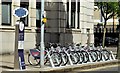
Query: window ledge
[12, 29]
[7, 27]
[71, 29]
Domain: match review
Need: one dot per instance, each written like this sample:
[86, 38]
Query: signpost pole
[16, 60]
[42, 36]
[21, 46]
[19, 62]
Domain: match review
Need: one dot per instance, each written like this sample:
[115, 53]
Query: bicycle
[34, 57]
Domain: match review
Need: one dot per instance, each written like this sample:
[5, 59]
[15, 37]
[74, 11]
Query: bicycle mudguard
[35, 53]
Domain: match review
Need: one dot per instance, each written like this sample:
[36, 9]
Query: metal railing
[109, 29]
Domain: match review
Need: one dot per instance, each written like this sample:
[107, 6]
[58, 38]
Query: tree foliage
[108, 9]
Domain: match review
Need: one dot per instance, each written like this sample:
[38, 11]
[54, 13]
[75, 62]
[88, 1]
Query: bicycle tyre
[56, 56]
[106, 54]
[65, 57]
[74, 57]
[81, 57]
[32, 60]
[93, 55]
[86, 56]
[99, 55]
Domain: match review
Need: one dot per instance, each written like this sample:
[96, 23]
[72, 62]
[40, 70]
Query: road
[112, 68]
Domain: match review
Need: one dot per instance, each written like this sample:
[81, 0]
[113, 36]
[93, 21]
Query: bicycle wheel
[81, 57]
[86, 56]
[99, 55]
[46, 59]
[56, 58]
[74, 57]
[64, 58]
[93, 55]
[34, 61]
[105, 54]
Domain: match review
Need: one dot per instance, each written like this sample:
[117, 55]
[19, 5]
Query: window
[6, 13]
[24, 5]
[78, 11]
[72, 23]
[72, 19]
[38, 14]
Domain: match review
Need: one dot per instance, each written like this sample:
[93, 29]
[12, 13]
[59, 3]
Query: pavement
[113, 49]
[7, 65]
[106, 68]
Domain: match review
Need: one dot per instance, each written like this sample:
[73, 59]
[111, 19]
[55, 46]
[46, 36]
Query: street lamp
[42, 36]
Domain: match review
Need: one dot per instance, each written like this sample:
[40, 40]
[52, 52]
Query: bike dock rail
[68, 68]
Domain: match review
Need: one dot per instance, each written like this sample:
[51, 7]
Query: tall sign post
[16, 63]
[19, 62]
[42, 36]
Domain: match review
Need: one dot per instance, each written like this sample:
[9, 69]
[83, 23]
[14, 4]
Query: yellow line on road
[94, 69]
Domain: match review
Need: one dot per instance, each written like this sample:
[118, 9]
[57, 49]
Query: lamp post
[42, 36]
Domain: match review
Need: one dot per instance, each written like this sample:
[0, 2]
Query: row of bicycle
[61, 56]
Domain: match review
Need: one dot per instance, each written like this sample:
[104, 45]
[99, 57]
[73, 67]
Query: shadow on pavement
[6, 67]
[6, 62]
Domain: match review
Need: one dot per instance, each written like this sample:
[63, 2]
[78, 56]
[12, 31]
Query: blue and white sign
[20, 12]
[21, 45]
[21, 59]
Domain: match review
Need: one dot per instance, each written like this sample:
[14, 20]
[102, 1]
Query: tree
[108, 10]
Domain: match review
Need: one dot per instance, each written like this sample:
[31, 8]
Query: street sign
[19, 38]
[19, 61]
[20, 12]
[21, 45]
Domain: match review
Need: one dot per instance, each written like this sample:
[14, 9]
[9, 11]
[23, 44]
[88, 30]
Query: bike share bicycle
[34, 56]
[59, 55]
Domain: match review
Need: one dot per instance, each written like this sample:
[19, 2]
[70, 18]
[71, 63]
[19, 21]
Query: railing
[109, 29]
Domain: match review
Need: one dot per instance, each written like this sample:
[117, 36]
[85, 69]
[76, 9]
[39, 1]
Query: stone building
[68, 21]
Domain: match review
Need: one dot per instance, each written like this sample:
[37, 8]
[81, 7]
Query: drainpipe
[59, 22]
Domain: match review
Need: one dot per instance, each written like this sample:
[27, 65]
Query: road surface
[110, 69]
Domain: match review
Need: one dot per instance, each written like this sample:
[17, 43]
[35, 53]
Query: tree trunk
[113, 23]
[103, 41]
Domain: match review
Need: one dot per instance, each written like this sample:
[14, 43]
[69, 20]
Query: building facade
[68, 21]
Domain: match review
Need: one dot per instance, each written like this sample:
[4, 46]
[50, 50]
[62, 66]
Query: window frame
[25, 19]
[73, 11]
[38, 6]
[7, 3]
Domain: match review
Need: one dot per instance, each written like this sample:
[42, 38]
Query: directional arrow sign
[20, 12]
